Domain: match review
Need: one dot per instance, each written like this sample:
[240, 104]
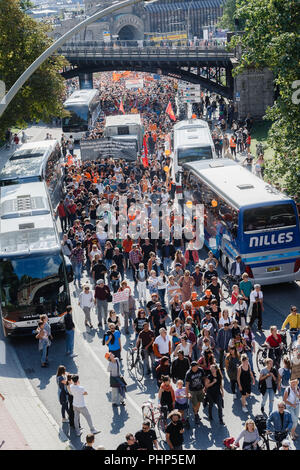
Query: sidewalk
[24, 421]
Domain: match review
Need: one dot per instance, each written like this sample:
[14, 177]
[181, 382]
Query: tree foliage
[26, 5]
[229, 16]
[22, 40]
[272, 39]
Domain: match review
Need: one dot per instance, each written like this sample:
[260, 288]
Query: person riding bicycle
[293, 320]
[275, 346]
[250, 435]
[280, 422]
[166, 395]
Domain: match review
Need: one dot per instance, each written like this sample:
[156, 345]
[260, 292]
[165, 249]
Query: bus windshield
[77, 120]
[269, 217]
[32, 285]
[193, 154]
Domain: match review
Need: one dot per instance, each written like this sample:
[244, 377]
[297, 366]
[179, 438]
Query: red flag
[145, 162]
[170, 112]
[121, 108]
[145, 146]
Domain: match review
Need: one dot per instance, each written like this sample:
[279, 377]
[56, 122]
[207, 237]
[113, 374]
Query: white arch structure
[48, 52]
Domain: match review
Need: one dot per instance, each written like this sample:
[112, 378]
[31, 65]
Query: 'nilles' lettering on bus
[274, 239]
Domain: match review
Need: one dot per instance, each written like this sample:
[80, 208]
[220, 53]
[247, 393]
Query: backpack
[105, 337]
[286, 375]
[261, 424]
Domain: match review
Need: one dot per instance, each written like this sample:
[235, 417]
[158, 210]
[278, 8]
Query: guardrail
[145, 51]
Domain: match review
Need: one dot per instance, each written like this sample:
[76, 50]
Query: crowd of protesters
[172, 300]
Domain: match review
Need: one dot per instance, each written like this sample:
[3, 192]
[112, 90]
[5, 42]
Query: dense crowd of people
[156, 288]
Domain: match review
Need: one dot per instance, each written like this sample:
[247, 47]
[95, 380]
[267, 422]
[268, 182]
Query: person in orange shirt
[166, 394]
[127, 247]
[232, 145]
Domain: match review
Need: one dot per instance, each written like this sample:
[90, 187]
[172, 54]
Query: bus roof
[27, 160]
[192, 133]
[123, 120]
[235, 183]
[26, 221]
[81, 97]
[188, 123]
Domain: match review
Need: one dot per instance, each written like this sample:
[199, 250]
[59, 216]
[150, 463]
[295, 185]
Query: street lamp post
[53, 48]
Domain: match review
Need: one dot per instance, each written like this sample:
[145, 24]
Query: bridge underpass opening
[130, 33]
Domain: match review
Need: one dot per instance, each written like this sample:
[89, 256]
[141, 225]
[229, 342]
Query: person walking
[145, 339]
[102, 296]
[70, 331]
[141, 277]
[291, 398]
[268, 384]
[256, 306]
[117, 383]
[112, 339]
[79, 405]
[223, 337]
[232, 362]
[44, 342]
[77, 259]
[61, 380]
[174, 431]
[86, 302]
[214, 391]
[194, 382]
[245, 378]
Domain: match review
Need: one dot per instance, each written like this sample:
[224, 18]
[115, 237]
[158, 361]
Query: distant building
[169, 18]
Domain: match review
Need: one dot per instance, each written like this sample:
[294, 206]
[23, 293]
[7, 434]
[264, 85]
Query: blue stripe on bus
[272, 263]
[277, 256]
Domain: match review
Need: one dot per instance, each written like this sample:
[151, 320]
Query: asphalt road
[116, 422]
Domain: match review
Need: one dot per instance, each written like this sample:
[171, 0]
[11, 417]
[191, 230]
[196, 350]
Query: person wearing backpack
[291, 398]
[112, 339]
[284, 375]
[267, 384]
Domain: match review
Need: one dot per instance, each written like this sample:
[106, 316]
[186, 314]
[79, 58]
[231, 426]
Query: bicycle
[261, 355]
[228, 280]
[264, 352]
[135, 361]
[157, 415]
[277, 438]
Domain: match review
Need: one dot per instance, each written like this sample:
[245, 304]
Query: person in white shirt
[256, 306]
[141, 277]
[162, 344]
[86, 301]
[79, 406]
[94, 251]
[240, 311]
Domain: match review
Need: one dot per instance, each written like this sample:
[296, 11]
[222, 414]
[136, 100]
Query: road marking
[92, 352]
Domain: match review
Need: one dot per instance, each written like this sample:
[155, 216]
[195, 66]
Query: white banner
[122, 296]
[134, 83]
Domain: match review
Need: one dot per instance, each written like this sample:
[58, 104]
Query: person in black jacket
[179, 367]
[70, 331]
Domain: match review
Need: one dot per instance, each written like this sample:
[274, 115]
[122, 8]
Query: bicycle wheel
[225, 290]
[129, 359]
[147, 413]
[139, 370]
[261, 356]
[161, 427]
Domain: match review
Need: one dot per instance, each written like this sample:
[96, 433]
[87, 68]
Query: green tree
[22, 40]
[271, 39]
[26, 5]
[229, 16]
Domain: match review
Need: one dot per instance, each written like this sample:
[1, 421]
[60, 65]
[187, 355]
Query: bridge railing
[116, 49]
